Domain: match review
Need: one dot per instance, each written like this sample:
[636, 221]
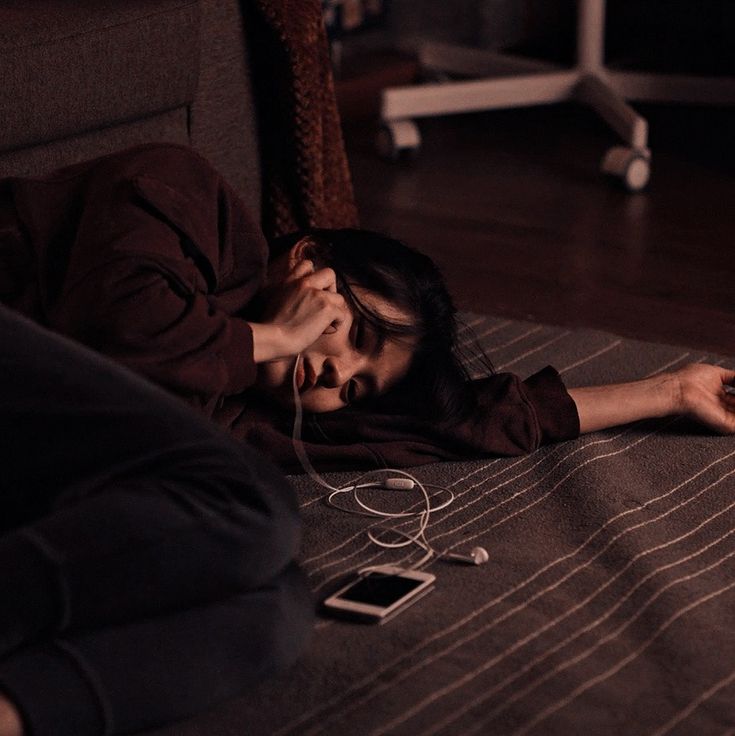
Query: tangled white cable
[406, 482]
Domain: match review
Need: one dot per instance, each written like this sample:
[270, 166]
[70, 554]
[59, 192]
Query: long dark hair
[437, 384]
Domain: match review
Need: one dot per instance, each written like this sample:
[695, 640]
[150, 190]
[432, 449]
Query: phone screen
[379, 589]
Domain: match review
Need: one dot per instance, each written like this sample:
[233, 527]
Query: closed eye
[367, 338]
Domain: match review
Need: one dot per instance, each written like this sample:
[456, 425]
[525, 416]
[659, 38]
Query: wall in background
[495, 24]
[673, 35]
[694, 35]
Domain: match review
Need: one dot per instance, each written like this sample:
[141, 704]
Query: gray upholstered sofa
[84, 78]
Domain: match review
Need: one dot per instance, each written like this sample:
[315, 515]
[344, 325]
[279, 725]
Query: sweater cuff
[555, 409]
[238, 358]
[52, 692]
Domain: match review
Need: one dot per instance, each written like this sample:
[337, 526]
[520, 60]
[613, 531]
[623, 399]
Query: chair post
[591, 35]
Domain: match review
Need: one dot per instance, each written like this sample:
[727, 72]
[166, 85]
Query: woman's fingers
[705, 396]
[300, 270]
[305, 271]
[728, 382]
[307, 306]
[338, 310]
[324, 278]
[315, 312]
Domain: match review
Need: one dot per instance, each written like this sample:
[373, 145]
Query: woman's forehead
[382, 306]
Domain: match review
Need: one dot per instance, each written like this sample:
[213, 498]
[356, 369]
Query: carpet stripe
[461, 526]
[581, 631]
[495, 601]
[520, 468]
[508, 364]
[586, 360]
[549, 711]
[468, 677]
[686, 712]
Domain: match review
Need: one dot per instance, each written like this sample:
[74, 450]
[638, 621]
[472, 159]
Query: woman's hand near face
[300, 309]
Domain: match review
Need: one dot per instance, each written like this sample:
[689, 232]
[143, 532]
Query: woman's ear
[281, 267]
[301, 250]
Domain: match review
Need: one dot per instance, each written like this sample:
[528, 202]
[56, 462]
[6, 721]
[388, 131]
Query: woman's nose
[336, 372]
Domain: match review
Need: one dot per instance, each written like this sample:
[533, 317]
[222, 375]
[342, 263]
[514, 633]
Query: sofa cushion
[67, 67]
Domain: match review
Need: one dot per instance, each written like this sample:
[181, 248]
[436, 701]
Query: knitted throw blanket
[306, 178]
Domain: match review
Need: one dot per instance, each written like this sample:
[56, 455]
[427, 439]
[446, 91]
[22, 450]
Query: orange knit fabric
[306, 177]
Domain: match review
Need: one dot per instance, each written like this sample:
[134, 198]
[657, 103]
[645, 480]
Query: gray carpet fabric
[607, 605]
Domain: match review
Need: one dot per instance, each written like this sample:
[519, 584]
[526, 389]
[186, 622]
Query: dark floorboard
[513, 208]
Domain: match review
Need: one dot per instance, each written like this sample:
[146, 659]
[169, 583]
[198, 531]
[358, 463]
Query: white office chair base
[398, 138]
[506, 81]
[631, 166]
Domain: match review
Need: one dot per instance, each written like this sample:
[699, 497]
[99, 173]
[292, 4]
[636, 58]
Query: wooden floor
[512, 207]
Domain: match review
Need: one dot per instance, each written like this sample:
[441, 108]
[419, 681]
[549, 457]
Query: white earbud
[477, 556]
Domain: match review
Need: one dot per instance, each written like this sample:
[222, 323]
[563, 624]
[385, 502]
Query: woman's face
[343, 366]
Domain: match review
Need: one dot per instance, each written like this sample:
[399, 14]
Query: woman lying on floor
[149, 257]
[146, 557]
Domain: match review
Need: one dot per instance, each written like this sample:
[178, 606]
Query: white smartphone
[379, 593]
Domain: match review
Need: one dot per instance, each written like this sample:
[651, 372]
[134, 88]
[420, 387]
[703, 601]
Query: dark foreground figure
[146, 559]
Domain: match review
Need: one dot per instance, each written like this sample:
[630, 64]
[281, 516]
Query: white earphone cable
[419, 537]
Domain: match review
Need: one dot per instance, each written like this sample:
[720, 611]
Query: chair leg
[471, 62]
[678, 88]
[631, 163]
[590, 34]
[425, 100]
[400, 105]
[613, 108]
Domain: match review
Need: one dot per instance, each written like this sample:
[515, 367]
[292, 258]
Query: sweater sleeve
[150, 315]
[146, 271]
[514, 417]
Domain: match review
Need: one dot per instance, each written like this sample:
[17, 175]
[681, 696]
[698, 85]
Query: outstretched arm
[697, 391]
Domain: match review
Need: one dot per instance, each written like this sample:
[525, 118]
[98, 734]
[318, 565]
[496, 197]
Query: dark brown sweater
[150, 257]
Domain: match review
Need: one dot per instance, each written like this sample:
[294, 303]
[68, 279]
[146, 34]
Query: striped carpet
[607, 606]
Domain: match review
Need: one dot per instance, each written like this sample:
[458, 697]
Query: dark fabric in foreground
[606, 608]
[146, 559]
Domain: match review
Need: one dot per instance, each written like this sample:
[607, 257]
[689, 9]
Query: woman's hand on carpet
[702, 395]
[697, 391]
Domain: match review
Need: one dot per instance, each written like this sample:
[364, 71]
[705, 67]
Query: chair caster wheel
[398, 138]
[632, 166]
